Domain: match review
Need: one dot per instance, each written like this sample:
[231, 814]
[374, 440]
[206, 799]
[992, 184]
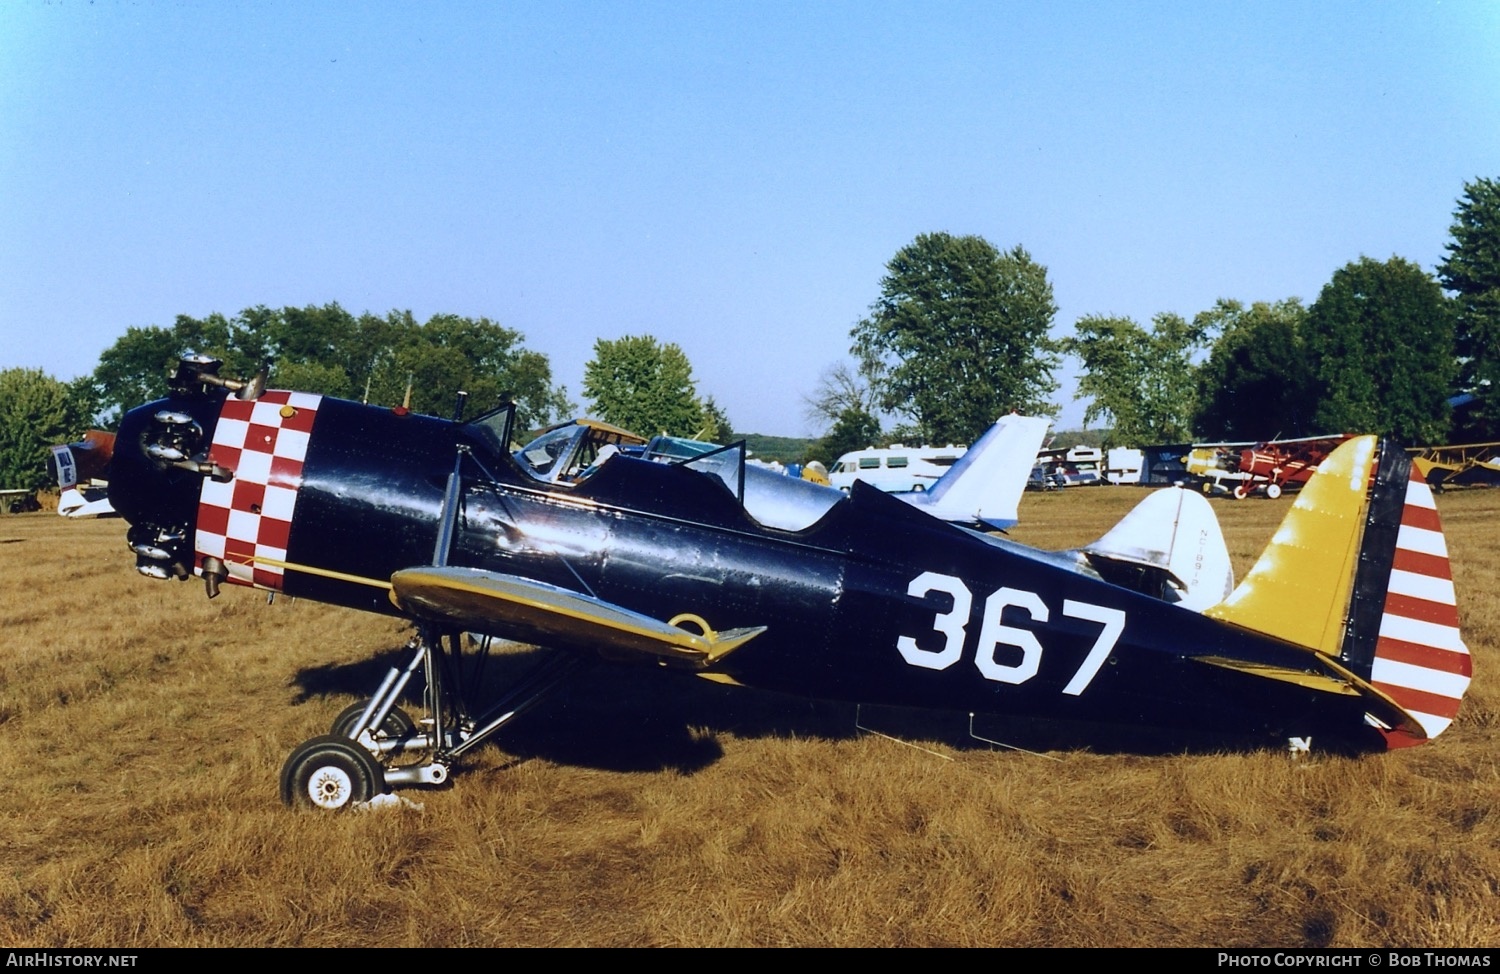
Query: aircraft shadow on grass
[623, 719]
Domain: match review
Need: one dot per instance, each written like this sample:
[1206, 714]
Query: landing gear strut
[358, 760]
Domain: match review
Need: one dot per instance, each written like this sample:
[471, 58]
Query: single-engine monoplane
[1346, 629]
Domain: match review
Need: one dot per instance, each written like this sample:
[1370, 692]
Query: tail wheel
[1208, 487]
[330, 773]
[1273, 491]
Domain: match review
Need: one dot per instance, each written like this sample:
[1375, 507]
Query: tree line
[960, 333]
[634, 382]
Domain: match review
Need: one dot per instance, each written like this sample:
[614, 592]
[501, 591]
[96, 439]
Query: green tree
[1143, 383]
[645, 386]
[846, 402]
[321, 335]
[716, 427]
[327, 380]
[36, 411]
[450, 354]
[327, 350]
[960, 332]
[1381, 340]
[1258, 382]
[135, 368]
[854, 430]
[83, 402]
[1472, 271]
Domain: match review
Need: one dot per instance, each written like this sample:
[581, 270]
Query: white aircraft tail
[985, 485]
[1174, 535]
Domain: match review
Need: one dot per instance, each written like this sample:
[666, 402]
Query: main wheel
[396, 725]
[330, 773]
[1273, 491]
[1240, 492]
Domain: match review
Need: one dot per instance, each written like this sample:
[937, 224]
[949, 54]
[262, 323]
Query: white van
[1124, 466]
[896, 468]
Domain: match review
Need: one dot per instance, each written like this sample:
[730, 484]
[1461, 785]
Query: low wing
[516, 607]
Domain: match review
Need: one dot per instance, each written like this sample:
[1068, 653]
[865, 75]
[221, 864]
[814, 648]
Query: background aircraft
[1277, 465]
[1459, 465]
[80, 470]
[1269, 467]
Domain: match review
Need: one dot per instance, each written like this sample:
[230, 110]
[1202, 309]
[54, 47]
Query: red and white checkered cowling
[248, 520]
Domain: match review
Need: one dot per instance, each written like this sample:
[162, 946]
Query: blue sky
[730, 177]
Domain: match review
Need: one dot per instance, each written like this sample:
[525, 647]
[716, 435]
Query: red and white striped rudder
[1420, 660]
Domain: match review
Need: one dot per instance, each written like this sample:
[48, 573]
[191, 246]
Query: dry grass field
[143, 727]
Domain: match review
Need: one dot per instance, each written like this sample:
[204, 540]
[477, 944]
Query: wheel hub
[330, 787]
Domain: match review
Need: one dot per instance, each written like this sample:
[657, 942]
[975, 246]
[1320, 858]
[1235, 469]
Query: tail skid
[1359, 572]
[984, 487]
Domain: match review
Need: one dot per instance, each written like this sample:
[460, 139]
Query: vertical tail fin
[1359, 571]
[1173, 533]
[985, 485]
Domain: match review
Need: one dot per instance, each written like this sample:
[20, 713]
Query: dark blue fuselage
[875, 602]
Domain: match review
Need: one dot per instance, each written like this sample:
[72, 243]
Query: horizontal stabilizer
[1326, 676]
[83, 503]
[519, 608]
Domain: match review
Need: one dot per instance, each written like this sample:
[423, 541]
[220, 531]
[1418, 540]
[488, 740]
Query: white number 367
[993, 633]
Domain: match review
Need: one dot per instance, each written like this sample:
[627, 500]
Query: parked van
[1124, 466]
[895, 468]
